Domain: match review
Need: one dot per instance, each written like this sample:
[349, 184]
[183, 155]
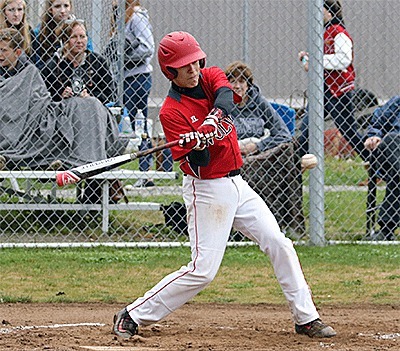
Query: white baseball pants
[214, 206]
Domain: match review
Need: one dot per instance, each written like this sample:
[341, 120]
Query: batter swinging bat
[76, 174]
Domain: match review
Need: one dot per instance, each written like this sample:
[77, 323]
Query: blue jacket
[386, 119]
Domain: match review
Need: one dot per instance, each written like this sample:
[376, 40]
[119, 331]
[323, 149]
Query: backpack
[175, 217]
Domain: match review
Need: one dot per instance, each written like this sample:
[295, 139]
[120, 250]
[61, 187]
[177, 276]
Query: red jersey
[338, 82]
[182, 114]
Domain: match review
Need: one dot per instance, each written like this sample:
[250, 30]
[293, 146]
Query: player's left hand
[191, 140]
[208, 130]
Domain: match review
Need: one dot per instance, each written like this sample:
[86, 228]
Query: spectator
[75, 71]
[11, 59]
[34, 130]
[339, 76]
[384, 140]
[46, 43]
[13, 15]
[271, 165]
[139, 50]
[197, 112]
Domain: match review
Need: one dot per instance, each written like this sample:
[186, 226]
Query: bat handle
[66, 177]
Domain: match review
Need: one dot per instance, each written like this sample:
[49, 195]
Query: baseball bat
[88, 170]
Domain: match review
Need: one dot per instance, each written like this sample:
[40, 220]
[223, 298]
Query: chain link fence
[81, 93]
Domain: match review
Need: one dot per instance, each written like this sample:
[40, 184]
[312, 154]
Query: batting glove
[208, 130]
[191, 140]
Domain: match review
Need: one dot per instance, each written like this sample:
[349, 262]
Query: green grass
[345, 213]
[344, 172]
[341, 274]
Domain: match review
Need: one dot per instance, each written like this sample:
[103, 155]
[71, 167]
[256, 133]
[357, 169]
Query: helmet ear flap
[173, 72]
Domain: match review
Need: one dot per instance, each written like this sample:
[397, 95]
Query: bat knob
[65, 178]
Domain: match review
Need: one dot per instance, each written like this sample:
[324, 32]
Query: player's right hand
[191, 140]
[208, 130]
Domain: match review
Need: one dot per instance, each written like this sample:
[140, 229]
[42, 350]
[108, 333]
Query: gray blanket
[35, 131]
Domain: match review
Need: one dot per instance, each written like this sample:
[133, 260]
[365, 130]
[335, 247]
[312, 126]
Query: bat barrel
[91, 169]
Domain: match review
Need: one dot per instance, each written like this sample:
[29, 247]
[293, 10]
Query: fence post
[96, 27]
[121, 50]
[245, 19]
[316, 119]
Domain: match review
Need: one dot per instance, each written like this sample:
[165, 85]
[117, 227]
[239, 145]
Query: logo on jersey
[225, 127]
[194, 119]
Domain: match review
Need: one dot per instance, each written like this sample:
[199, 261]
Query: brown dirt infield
[206, 327]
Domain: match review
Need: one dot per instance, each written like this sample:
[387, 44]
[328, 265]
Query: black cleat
[124, 325]
[315, 329]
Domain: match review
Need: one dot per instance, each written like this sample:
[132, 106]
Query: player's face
[60, 10]
[8, 55]
[78, 41]
[239, 85]
[188, 76]
[14, 12]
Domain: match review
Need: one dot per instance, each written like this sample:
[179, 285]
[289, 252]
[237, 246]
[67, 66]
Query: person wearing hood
[272, 166]
[383, 140]
[339, 77]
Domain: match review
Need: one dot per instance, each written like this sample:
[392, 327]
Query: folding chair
[288, 115]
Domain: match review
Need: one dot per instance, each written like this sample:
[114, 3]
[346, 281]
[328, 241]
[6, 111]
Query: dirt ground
[195, 327]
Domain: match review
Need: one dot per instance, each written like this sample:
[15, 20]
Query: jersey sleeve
[174, 123]
[214, 79]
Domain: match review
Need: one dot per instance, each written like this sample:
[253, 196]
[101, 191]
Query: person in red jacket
[197, 113]
[339, 77]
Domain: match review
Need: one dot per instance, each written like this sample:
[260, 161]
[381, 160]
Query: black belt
[233, 173]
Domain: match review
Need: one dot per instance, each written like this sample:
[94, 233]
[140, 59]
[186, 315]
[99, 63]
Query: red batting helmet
[178, 49]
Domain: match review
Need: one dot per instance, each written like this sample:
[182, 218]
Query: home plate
[119, 348]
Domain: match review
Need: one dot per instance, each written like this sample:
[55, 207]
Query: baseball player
[196, 111]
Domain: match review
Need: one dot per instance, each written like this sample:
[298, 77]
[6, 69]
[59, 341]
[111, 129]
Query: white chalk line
[51, 326]
[391, 336]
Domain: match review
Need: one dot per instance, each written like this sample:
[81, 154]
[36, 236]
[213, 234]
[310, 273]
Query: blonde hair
[23, 27]
[47, 35]
[64, 30]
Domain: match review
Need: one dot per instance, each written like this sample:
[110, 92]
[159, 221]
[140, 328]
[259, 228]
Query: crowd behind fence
[267, 36]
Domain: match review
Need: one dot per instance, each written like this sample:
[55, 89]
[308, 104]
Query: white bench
[105, 206]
